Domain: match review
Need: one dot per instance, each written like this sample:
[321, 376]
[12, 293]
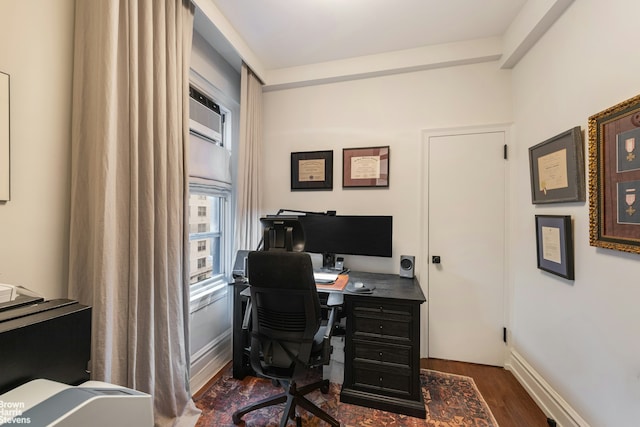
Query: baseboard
[214, 360]
[551, 403]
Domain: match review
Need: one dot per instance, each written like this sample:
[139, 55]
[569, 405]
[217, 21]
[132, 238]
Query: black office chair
[287, 335]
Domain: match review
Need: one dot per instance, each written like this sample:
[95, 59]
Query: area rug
[451, 400]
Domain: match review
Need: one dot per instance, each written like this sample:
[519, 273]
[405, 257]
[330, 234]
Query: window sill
[203, 295]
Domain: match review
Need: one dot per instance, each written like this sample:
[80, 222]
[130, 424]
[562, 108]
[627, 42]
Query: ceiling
[289, 33]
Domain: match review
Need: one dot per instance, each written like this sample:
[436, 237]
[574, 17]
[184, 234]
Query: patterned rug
[451, 400]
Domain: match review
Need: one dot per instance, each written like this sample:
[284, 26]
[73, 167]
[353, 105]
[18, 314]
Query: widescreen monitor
[348, 234]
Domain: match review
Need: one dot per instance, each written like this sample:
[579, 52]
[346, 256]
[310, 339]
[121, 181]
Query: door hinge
[504, 335]
[505, 151]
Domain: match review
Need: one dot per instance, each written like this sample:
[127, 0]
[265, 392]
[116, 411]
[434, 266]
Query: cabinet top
[388, 286]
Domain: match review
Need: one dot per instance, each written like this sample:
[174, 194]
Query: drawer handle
[380, 354]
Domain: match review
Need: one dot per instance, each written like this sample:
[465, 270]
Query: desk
[382, 343]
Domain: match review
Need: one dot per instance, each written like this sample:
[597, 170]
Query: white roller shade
[210, 162]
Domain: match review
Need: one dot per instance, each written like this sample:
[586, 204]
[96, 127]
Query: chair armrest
[247, 317]
[335, 299]
[247, 313]
[331, 321]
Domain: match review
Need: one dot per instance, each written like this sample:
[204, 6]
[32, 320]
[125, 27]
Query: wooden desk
[382, 343]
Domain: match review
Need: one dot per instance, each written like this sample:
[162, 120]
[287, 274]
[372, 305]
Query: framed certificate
[312, 170]
[365, 167]
[554, 240]
[557, 168]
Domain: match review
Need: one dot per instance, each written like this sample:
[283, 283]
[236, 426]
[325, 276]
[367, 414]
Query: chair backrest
[285, 312]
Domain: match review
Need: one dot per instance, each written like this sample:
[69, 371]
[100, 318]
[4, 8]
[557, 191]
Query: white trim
[218, 354]
[551, 403]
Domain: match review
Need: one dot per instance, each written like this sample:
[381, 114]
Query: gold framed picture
[614, 177]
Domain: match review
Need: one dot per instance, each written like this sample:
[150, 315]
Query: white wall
[389, 110]
[36, 48]
[582, 336]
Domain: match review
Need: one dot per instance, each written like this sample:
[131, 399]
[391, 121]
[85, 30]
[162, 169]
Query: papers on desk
[323, 277]
[7, 293]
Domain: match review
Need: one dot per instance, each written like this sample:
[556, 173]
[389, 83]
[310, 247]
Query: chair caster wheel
[324, 388]
[236, 419]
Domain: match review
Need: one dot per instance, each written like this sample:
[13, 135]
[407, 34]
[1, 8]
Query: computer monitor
[283, 233]
[347, 235]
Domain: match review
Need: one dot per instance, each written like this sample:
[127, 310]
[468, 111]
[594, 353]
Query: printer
[45, 403]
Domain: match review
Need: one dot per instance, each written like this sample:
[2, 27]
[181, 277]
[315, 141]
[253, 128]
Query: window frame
[218, 280]
[201, 293]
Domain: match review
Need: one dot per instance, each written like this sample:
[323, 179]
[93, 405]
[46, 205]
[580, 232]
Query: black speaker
[407, 266]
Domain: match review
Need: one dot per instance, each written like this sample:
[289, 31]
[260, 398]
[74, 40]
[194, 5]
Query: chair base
[293, 397]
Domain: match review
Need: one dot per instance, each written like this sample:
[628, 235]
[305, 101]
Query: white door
[466, 230]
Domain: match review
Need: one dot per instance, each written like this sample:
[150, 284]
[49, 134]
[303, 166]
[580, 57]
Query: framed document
[312, 170]
[4, 137]
[557, 169]
[365, 167]
[614, 177]
[554, 241]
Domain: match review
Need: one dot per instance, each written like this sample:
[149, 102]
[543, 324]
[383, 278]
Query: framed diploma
[614, 177]
[4, 137]
[557, 169]
[365, 167]
[312, 170]
[554, 241]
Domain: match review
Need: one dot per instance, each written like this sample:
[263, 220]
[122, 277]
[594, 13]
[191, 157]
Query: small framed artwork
[554, 241]
[4, 137]
[365, 167]
[557, 169]
[312, 170]
[614, 177]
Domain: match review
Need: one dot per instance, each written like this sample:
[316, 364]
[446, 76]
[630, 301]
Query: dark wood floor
[510, 404]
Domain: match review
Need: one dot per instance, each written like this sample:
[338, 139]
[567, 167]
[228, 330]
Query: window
[210, 192]
[206, 236]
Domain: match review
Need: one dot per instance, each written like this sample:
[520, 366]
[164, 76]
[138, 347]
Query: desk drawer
[382, 327]
[384, 353]
[384, 308]
[382, 378]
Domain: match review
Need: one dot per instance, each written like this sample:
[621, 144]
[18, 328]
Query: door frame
[423, 275]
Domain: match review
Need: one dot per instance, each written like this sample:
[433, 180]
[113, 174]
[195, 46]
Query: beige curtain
[128, 194]
[250, 151]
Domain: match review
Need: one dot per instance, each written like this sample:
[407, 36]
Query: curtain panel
[129, 194]
[250, 152]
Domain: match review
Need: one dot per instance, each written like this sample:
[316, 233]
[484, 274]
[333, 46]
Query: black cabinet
[47, 339]
[382, 345]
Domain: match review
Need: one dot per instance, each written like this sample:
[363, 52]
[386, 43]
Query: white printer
[44, 403]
